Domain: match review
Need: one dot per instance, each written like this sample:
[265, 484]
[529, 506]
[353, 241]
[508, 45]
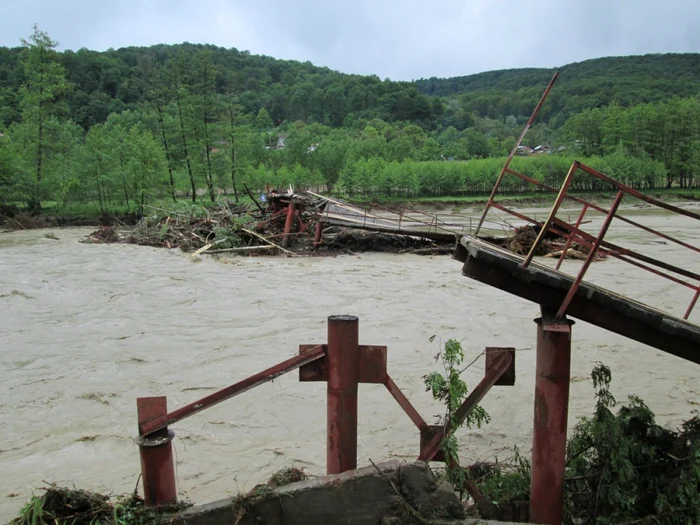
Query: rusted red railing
[596, 244]
[343, 364]
[574, 233]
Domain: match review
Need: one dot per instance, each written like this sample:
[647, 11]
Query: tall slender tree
[42, 95]
[180, 91]
[206, 103]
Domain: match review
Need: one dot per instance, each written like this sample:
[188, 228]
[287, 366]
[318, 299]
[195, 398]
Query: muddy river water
[86, 329]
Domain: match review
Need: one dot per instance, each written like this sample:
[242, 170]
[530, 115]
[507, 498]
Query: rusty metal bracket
[429, 433]
[371, 366]
[492, 355]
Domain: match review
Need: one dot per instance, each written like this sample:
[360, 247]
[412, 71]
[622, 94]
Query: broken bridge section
[561, 295]
[343, 364]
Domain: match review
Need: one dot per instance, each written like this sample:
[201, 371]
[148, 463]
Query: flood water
[86, 329]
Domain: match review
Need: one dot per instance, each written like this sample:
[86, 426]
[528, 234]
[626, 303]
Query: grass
[65, 506]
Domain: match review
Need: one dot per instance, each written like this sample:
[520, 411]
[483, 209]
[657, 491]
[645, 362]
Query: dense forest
[625, 81]
[120, 129]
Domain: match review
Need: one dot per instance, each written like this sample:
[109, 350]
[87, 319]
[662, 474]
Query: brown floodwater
[86, 329]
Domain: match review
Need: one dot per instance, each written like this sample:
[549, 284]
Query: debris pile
[66, 506]
[285, 223]
[552, 245]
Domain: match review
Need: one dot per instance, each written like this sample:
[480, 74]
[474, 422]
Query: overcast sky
[402, 40]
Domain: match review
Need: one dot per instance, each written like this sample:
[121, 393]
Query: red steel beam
[403, 401]
[343, 378]
[652, 270]
[552, 213]
[553, 371]
[591, 255]
[238, 388]
[499, 367]
[515, 150]
[603, 210]
[520, 216]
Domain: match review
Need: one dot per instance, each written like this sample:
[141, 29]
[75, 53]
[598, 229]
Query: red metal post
[288, 224]
[553, 213]
[603, 210]
[156, 450]
[553, 372]
[342, 356]
[591, 255]
[571, 236]
[318, 234]
[692, 304]
[514, 151]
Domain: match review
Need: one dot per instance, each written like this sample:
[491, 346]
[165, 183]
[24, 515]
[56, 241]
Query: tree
[206, 112]
[42, 96]
[8, 169]
[179, 88]
[157, 97]
[263, 122]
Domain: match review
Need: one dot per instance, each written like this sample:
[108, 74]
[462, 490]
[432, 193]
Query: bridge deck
[502, 269]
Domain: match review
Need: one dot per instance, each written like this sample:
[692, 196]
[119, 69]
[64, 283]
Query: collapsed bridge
[343, 363]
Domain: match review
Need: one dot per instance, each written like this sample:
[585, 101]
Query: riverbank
[523, 198]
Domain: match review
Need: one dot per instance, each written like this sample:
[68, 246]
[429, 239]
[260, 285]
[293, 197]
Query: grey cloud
[390, 38]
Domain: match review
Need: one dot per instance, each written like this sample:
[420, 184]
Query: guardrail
[343, 364]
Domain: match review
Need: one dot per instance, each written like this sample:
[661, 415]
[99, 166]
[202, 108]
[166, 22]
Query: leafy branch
[449, 388]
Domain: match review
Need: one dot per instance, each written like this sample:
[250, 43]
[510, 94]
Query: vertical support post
[342, 359]
[514, 151]
[552, 213]
[156, 451]
[692, 304]
[318, 234]
[288, 224]
[591, 255]
[571, 235]
[552, 380]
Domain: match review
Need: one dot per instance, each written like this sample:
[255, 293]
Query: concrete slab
[368, 495]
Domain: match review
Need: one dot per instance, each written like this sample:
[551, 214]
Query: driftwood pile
[250, 230]
[552, 245]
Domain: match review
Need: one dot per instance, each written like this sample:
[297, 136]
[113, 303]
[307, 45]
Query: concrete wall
[363, 496]
[389, 494]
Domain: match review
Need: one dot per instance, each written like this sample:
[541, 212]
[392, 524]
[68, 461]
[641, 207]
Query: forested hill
[115, 80]
[124, 128]
[627, 81]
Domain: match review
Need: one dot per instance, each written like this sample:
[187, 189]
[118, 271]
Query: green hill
[115, 80]
[627, 81]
